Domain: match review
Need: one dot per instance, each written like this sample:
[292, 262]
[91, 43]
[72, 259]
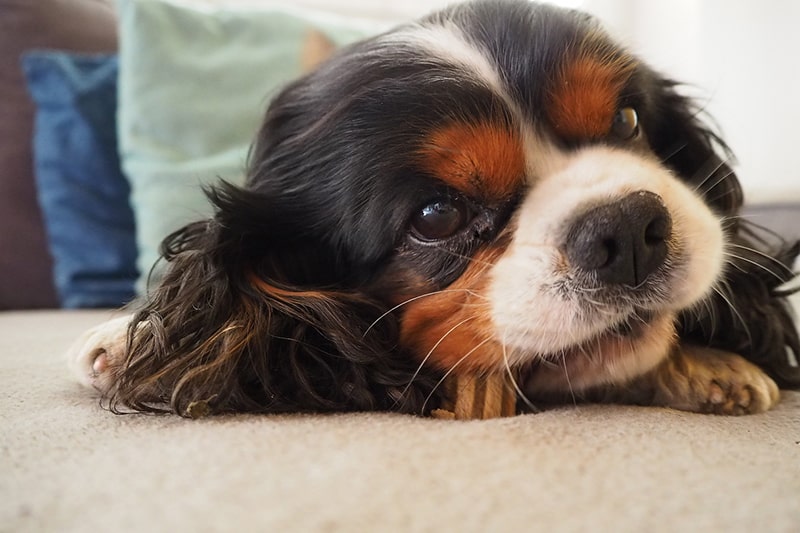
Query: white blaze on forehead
[449, 44]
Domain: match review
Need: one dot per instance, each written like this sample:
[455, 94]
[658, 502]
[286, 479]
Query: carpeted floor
[68, 465]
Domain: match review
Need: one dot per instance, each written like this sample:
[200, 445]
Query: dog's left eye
[440, 218]
[626, 124]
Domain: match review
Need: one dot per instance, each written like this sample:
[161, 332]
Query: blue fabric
[82, 191]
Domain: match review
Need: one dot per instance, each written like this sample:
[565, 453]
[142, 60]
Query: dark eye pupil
[626, 123]
[439, 219]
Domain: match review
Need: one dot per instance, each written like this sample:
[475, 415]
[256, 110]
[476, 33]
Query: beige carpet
[67, 465]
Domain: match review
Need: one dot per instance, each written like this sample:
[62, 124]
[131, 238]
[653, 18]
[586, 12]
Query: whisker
[698, 187]
[415, 298]
[596, 356]
[764, 255]
[566, 375]
[713, 199]
[735, 312]
[548, 361]
[466, 257]
[520, 394]
[439, 383]
[728, 218]
[674, 153]
[712, 316]
[597, 304]
[725, 176]
[755, 263]
[430, 352]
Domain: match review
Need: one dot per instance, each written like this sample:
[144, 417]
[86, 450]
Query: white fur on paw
[92, 355]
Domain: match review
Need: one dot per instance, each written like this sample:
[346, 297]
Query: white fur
[448, 43]
[108, 340]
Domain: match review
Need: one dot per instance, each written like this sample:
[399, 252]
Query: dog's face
[496, 186]
[498, 172]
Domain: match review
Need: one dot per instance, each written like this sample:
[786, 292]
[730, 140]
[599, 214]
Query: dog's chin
[622, 351]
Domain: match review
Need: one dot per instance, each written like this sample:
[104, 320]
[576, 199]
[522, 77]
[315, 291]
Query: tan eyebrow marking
[585, 94]
[484, 159]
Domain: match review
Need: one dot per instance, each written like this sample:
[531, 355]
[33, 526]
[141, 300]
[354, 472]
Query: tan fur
[482, 160]
[451, 329]
[317, 47]
[585, 95]
[713, 381]
[702, 380]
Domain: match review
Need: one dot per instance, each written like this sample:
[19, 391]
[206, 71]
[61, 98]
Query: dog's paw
[712, 381]
[94, 355]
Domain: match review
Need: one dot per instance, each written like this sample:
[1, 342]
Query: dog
[496, 188]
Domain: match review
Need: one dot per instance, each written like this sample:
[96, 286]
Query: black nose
[622, 242]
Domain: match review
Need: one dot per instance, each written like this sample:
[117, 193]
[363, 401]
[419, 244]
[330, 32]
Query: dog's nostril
[622, 242]
[657, 230]
[606, 252]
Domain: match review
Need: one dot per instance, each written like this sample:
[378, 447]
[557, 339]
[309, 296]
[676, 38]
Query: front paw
[704, 380]
[95, 355]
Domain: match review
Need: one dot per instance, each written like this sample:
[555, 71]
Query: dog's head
[499, 185]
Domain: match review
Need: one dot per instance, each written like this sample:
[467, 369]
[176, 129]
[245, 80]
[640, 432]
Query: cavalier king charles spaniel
[496, 188]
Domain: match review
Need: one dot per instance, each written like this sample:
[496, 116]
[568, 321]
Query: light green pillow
[194, 85]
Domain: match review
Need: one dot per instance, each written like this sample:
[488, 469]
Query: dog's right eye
[626, 124]
[440, 219]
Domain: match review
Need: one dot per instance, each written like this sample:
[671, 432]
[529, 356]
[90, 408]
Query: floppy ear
[228, 329]
[692, 149]
[747, 313]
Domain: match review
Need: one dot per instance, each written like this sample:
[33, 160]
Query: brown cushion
[76, 25]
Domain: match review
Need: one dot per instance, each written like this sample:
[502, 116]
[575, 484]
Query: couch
[67, 464]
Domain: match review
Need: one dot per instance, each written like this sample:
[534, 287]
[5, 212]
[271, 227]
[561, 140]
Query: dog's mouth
[632, 325]
[619, 340]
[627, 348]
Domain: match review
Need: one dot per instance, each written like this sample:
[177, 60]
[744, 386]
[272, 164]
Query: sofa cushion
[79, 25]
[81, 189]
[194, 83]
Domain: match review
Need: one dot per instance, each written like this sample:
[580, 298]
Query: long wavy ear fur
[227, 330]
[748, 313]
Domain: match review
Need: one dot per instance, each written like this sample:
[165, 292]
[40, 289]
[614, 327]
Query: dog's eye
[440, 218]
[626, 124]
